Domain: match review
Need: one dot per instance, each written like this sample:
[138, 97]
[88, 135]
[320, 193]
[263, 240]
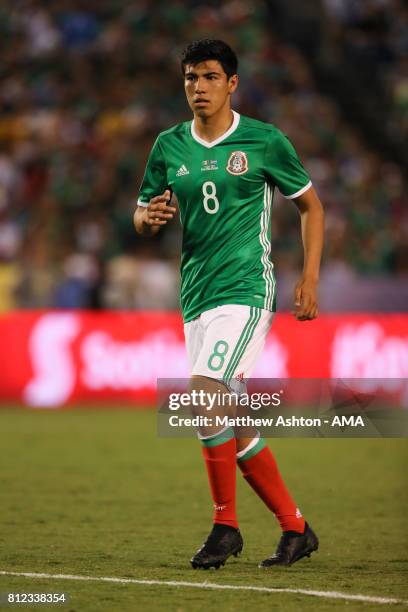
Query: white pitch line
[212, 585]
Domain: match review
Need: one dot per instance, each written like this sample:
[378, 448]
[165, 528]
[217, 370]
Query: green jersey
[225, 190]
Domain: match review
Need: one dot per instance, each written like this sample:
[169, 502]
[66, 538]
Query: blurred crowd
[373, 36]
[86, 85]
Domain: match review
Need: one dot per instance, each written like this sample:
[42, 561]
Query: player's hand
[158, 212]
[306, 307]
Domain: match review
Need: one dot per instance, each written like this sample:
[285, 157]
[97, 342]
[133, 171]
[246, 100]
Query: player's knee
[206, 394]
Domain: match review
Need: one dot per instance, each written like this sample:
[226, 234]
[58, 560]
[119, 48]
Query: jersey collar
[232, 129]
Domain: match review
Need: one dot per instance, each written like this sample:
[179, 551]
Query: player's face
[208, 89]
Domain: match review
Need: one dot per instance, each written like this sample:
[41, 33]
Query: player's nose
[200, 86]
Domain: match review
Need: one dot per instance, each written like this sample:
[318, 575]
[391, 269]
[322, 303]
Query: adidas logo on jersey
[182, 171]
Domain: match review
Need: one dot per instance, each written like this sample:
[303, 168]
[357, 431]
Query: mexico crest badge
[237, 163]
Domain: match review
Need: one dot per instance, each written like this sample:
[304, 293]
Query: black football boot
[292, 547]
[222, 542]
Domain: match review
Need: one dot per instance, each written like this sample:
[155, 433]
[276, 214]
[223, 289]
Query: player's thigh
[234, 336]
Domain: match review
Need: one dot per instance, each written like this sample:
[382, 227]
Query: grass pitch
[96, 492]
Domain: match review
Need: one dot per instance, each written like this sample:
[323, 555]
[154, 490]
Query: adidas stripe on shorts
[225, 342]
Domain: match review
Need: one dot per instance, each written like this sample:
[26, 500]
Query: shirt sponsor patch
[209, 164]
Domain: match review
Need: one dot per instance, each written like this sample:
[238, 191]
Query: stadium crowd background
[85, 86]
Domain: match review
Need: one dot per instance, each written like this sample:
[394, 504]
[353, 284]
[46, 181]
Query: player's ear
[233, 83]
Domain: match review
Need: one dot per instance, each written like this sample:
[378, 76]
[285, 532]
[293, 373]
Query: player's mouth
[201, 102]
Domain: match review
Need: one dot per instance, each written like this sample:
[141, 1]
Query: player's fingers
[304, 309]
[161, 206]
[298, 296]
[158, 199]
[163, 197]
[158, 214]
[153, 217]
[308, 314]
[166, 196]
[154, 221]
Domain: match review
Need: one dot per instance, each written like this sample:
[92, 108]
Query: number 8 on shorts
[217, 357]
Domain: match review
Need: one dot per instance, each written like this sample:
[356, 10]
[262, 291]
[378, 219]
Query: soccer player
[224, 168]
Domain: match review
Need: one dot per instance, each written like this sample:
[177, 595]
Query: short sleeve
[155, 177]
[284, 168]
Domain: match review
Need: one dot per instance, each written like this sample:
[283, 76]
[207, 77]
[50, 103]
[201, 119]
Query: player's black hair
[208, 49]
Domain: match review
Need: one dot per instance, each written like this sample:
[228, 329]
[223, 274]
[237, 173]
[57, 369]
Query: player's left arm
[312, 224]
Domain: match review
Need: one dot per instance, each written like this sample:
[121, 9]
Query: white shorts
[225, 342]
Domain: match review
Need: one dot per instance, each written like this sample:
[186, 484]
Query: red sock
[221, 468]
[261, 472]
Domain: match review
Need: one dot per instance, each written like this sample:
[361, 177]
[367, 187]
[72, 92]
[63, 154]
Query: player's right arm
[149, 219]
[152, 209]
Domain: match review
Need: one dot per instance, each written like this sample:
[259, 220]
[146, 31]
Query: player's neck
[211, 128]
